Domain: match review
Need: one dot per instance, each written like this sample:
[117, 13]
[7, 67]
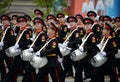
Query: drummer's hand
[30, 50]
[16, 46]
[1, 44]
[81, 49]
[103, 53]
[37, 53]
[66, 43]
[99, 46]
[60, 60]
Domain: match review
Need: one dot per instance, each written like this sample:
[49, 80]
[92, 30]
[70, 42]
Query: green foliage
[52, 6]
[44, 3]
[4, 5]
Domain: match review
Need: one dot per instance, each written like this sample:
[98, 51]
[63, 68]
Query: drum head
[26, 56]
[77, 55]
[98, 60]
[38, 62]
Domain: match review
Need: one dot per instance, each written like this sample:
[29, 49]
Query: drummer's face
[38, 25]
[50, 32]
[73, 24]
[50, 20]
[105, 32]
[88, 26]
[5, 22]
[22, 23]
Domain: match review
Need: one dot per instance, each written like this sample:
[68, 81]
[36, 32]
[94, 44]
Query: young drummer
[90, 48]
[109, 51]
[30, 71]
[22, 44]
[51, 52]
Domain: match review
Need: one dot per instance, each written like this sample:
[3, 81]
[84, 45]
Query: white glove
[37, 53]
[60, 60]
[32, 39]
[66, 43]
[1, 44]
[30, 50]
[15, 34]
[16, 46]
[99, 46]
[103, 53]
[81, 49]
[1, 24]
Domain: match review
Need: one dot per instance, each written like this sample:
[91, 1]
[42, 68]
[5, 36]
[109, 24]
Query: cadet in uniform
[101, 21]
[62, 33]
[5, 20]
[51, 51]
[61, 19]
[117, 31]
[107, 19]
[80, 20]
[28, 25]
[110, 50]
[63, 28]
[22, 44]
[50, 18]
[29, 19]
[97, 30]
[14, 20]
[91, 49]
[30, 73]
[38, 13]
[8, 40]
[6, 24]
[92, 15]
[117, 23]
[73, 43]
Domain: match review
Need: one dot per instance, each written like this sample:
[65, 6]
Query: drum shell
[64, 49]
[77, 55]
[11, 51]
[38, 62]
[26, 55]
[1, 48]
[98, 60]
[118, 54]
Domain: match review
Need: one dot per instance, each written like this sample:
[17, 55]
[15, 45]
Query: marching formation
[55, 45]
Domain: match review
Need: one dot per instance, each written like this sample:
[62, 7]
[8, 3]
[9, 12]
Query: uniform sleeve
[9, 39]
[37, 48]
[91, 44]
[113, 47]
[52, 48]
[24, 44]
[62, 33]
[75, 39]
[41, 40]
[75, 42]
[10, 42]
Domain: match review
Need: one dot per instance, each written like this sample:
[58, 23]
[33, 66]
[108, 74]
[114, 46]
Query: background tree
[59, 6]
[52, 6]
[4, 5]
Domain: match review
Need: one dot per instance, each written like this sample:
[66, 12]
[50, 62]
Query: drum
[12, 51]
[77, 55]
[1, 48]
[98, 60]
[64, 49]
[118, 54]
[26, 55]
[38, 62]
